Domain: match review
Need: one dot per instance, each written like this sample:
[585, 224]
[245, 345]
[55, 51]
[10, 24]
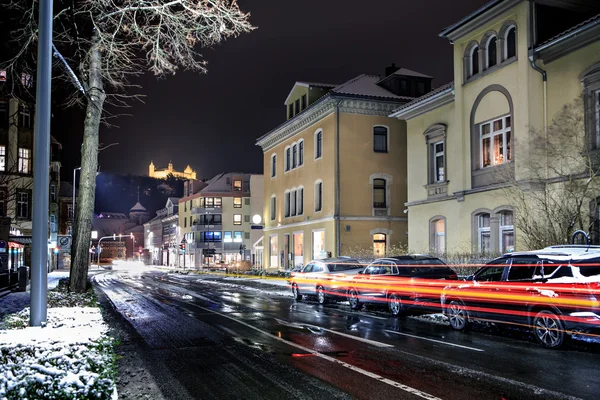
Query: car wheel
[395, 304]
[458, 316]
[548, 329]
[296, 293]
[353, 299]
[321, 296]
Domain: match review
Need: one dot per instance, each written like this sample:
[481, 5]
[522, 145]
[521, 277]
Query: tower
[151, 169]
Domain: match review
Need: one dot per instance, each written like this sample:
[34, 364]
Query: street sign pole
[41, 170]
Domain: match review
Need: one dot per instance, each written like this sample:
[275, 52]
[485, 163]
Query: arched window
[507, 232]
[294, 155]
[491, 51]
[510, 43]
[300, 153]
[474, 61]
[318, 144]
[287, 158]
[273, 165]
[379, 244]
[438, 235]
[379, 193]
[483, 233]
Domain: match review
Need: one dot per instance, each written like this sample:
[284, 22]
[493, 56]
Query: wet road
[206, 339]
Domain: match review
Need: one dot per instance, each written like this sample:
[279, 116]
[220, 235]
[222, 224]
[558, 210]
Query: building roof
[426, 96]
[408, 72]
[138, 207]
[588, 23]
[66, 189]
[444, 33]
[219, 183]
[365, 85]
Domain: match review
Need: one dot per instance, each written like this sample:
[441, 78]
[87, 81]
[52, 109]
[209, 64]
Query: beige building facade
[335, 171]
[509, 78]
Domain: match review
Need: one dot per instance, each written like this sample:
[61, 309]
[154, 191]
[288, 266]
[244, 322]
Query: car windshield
[344, 267]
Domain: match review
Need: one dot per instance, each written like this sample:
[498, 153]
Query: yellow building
[514, 69]
[335, 171]
[188, 172]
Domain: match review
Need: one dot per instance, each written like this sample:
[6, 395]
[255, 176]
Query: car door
[302, 279]
[482, 298]
[363, 283]
[517, 291]
[379, 279]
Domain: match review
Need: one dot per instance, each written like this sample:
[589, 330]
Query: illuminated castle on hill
[188, 172]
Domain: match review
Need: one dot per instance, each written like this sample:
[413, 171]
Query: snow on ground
[280, 291]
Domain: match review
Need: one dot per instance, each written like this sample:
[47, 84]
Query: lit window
[237, 202]
[318, 145]
[238, 237]
[483, 233]
[273, 208]
[273, 165]
[227, 238]
[491, 50]
[495, 142]
[507, 232]
[2, 158]
[510, 43]
[380, 139]
[379, 193]
[26, 80]
[438, 230]
[237, 219]
[379, 242]
[53, 223]
[273, 251]
[318, 196]
[237, 185]
[24, 161]
[438, 161]
[24, 117]
[301, 153]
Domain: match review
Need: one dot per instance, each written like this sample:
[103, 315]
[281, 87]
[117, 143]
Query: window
[297, 106]
[290, 111]
[22, 205]
[522, 269]
[273, 208]
[237, 202]
[24, 117]
[300, 153]
[238, 236]
[483, 233]
[298, 246]
[490, 274]
[273, 165]
[213, 202]
[438, 230]
[318, 243]
[2, 202]
[273, 251]
[2, 158]
[287, 158]
[70, 212]
[507, 232]
[304, 102]
[210, 219]
[300, 201]
[190, 220]
[26, 80]
[380, 139]
[318, 144]
[210, 237]
[246, 235]
[185, 222]
[227, 237]
[3, 113]
[318, 196]
[492, 53]
[495, 142]
[379, 193]
[24, 161]
[379, 242]
[287, 204]
[246, 218]
[247, 201]
[510, 43]
[237, 185]
[237, 219]
[293, 201]
[294, 156]
[473, 61]
[53, 223]
[438, 161]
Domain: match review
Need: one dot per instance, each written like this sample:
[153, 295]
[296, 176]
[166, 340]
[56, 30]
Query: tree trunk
[89, 166]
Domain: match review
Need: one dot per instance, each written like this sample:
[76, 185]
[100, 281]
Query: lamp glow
[256, 219]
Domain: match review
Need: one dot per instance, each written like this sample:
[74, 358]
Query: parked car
[324, 279]
[553, 291]
[411, 282]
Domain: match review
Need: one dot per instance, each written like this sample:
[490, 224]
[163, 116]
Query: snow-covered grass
[70, 358]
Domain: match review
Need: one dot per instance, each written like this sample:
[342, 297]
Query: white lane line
[434, 340]
[380, 378]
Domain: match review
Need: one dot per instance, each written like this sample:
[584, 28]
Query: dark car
[554, 292]
[324, 279]
[411, 282]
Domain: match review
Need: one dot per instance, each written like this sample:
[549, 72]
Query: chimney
[391, 69]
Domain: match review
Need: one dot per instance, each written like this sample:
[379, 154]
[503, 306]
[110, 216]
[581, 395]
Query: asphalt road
[204, 338]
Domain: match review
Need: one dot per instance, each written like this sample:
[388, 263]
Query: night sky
[212, 121]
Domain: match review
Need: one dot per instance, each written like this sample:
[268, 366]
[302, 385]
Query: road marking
[434, 340]
[380, 378]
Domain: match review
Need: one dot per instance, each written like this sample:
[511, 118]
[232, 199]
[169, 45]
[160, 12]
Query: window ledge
[381, 212]
[437, 189]
[490, 70]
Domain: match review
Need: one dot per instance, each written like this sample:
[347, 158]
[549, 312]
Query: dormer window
[304, 102]
[237, 185]
[290, 110]
[491, 52]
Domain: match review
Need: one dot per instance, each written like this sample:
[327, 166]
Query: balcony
[212, 227]
[206, 210]
[206, 245]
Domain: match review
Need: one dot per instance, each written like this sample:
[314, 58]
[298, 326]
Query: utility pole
[41, 169]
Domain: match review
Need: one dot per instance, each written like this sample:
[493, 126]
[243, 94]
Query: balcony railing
[211, 227]
[204, 210]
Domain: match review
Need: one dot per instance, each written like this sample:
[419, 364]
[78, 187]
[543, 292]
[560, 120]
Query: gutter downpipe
[338, 241]
[532, 60]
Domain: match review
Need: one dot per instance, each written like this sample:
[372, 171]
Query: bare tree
[557, 182]
[99, 46]
[12, 185]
